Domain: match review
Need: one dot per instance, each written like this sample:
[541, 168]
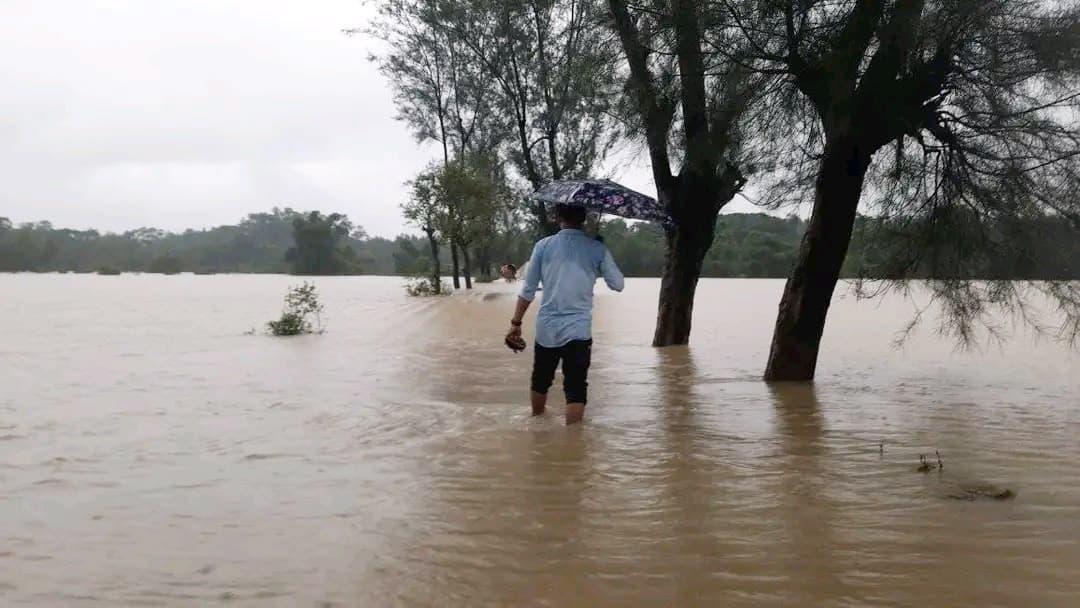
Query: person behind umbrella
[567, 264]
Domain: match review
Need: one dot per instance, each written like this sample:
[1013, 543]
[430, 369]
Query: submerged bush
[423, 287]
[301, 304]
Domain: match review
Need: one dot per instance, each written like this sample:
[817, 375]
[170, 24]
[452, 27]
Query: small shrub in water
[424, 287]
[301, 304]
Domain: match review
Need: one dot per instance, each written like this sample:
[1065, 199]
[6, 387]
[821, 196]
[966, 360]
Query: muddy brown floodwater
[151, 454]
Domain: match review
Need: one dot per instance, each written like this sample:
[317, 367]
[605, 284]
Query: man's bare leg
[539, 402]
[574, 413]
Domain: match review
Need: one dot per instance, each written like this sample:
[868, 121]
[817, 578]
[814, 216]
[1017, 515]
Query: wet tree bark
[686, 247]
[455, 268]
[696, 202]
[436, 267]
[809, 290]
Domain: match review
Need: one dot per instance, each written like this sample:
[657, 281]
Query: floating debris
[973, 493]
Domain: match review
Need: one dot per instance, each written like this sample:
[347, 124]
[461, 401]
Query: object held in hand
[605, 196]
[515, 343]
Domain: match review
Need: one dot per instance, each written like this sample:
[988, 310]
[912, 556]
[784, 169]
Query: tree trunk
[467, 268]
[436, 267]
[697, 201]
[454, 263]
[687, 245]
[803, 309]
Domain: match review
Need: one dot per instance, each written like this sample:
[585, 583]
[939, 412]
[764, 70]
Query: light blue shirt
[568, 264]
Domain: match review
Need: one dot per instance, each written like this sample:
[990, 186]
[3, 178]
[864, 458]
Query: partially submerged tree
[552, 64]
[529, 79]
[476, 185]
[463, 202]
[424, 211]
[439, 89]
[955, 115]
[688, 109]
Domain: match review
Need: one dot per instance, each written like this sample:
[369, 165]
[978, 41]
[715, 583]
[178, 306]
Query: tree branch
[656, 117]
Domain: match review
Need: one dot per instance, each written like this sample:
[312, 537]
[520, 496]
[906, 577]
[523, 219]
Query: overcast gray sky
[116, 114]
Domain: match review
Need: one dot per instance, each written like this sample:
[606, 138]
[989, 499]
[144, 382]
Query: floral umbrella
[604, 196]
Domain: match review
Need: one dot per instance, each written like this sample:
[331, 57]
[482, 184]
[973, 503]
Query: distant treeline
[260, 243]
[746, 245]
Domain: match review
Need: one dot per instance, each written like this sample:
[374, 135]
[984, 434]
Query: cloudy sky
[116, 114]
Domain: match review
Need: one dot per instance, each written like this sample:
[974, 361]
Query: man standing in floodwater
[567, 264]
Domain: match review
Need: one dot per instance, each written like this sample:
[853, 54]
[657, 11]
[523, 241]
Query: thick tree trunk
[803, 309]
[687, 243]
[686, 247]
[454, 263]
[436, 267]
[697, 202]
[467, 268]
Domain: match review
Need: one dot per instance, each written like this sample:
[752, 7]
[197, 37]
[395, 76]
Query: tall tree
[978, 101]
[438, 88]
[550, 67]
[688, 108]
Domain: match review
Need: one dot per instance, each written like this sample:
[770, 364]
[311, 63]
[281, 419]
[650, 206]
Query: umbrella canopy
[604, 196]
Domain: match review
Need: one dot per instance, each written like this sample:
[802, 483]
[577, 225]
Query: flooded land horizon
[154, 454]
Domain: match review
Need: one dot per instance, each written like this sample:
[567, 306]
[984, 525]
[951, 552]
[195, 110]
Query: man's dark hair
[571, 215]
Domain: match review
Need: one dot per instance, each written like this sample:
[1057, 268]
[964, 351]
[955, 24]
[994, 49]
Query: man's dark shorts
[575, 357]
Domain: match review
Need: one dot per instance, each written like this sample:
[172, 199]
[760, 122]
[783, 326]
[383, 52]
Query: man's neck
[569, 227]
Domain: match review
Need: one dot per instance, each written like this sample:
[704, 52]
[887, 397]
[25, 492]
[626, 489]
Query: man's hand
[513, 337]
[514, 341]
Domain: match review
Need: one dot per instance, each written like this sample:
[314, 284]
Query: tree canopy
[956, 118]
[529, 82]
[321, 246]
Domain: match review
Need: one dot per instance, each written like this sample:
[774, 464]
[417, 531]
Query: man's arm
[519, 312]
[528, 290]
[532, 274]
[611, 273]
